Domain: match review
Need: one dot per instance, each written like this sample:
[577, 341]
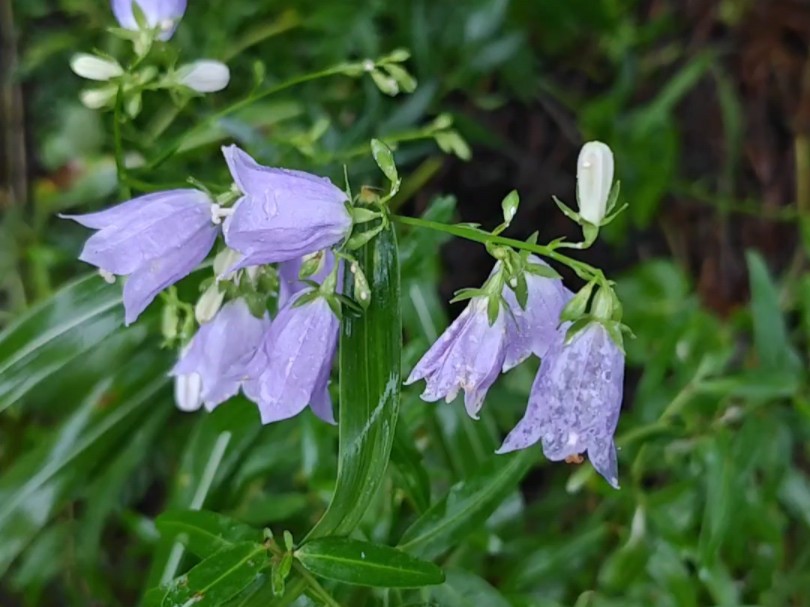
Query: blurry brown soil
[763, 50]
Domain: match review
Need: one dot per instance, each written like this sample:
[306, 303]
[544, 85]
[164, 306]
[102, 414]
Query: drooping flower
[161, 14]
[468, 356]
[471, 353]
[536, 328]
[220, 351]
[291, 368]
[155, 240]
[594, 180]
[282, 214]
[575, 402]
[204, 76]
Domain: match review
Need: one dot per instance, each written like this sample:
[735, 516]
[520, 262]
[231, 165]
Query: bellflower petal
[283, 214]
[164, 14]
[536, 328]
[296, 358]
[468, 356]
[220, 352]
[575, 402]
[155, 240]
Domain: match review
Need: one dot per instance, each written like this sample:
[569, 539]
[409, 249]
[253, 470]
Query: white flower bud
[594, 180]
[188, 392]
[95, 68]
[95, 99]
[204, 76]
[209, 304]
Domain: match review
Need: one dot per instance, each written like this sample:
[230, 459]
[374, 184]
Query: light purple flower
[155, 240]
[575, 402]
[162, 14]
[536, 328]
[468, 356]
[292, 367]
[220, 351]
[282, 214]
[471, 353]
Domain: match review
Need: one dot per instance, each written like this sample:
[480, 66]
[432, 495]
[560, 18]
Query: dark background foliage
[707, 108]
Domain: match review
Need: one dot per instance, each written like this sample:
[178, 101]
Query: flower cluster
[576, 397]
[145, 22]
[277, 216]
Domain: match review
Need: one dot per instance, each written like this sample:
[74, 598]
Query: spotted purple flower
[220, 352]
[575, 401]
[155, 240]
[471, 353]
[291, 369]
[282, 214]
[468, 356]
[162, 14]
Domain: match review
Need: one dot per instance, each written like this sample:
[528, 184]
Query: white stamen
[108, 277]
[219, 213]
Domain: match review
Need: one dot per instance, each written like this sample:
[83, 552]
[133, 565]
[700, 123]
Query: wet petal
[157, 274]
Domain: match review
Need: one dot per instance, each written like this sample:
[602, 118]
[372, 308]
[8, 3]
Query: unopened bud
[209, 304]
[188, 392]
[95, 68]
[594, 180]
[95, 99]
[204, 76]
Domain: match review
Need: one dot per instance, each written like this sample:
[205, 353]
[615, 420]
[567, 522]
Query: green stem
[120, 166]
[241, 104]
[583, 270]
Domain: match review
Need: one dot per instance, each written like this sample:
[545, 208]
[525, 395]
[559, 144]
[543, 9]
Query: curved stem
[583, 270]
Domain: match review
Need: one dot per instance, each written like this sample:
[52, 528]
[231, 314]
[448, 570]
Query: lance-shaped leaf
[370, 350]
[366, 564]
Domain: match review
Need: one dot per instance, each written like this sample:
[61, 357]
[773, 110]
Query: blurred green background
[707, 108]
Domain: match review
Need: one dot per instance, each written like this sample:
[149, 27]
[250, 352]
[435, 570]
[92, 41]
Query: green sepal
[465, 294]
[402, 77]
[362, 290]
[493, 307]
[567, 211]
[542, 270]
[576, 307]
[385, 83]
[576, 327]
[521, 290]
[363, 215]
[613, 197]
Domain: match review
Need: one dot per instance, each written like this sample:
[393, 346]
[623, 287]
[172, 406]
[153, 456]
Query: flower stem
[120, 166]
[177, 144]
[583, 270]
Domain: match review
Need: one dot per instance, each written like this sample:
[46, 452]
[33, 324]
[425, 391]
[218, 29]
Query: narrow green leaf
[465, 589]
[204, 532]
[366, 564]
[466, 506]
[770, 332]
[57, 331]
[218, 578]
[370, 351]
[35, 486]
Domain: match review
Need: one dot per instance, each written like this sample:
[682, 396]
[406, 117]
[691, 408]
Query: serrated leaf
[466, 506]
[203, 532]
[370, 381]
[365, 564]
